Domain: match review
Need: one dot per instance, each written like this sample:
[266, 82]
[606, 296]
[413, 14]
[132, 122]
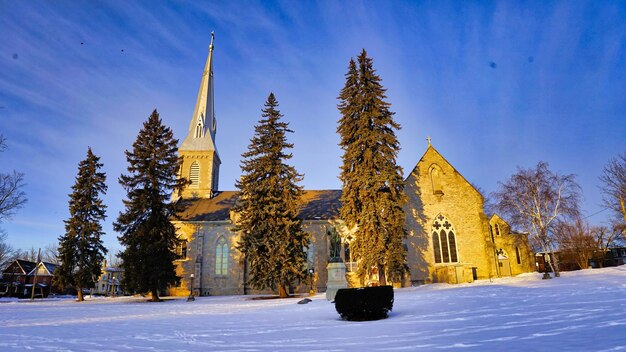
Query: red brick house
[17, 279]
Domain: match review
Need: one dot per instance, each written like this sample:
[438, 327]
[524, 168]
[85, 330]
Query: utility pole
[32, 292]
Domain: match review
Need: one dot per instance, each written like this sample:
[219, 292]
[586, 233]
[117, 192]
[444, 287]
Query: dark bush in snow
[366, 303]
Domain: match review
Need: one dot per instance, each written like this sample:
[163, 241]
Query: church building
[450, 238]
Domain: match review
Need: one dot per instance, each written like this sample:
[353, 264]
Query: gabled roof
[316, 205]
[28, 268]
[25, 265]
[511, 231]
[49, 267]
[431, 148]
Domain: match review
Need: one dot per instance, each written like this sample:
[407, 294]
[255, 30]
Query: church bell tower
[201, 163]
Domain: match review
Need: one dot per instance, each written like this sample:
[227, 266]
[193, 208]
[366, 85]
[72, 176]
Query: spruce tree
[372, 183]
[81, 251]
[146, 231]
[272, 238]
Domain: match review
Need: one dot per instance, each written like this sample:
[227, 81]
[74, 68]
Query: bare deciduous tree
[576, 241]
[11, 195]
[6, 251]
[29, 254]
[614, 185]
[605, 238]
[535, 200]
[50, 254]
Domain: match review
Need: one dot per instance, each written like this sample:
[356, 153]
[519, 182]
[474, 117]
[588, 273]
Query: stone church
[450, 238]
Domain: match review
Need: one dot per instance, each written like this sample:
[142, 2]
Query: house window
[221, 257]
[181, 249]
[497, 230]
[194, 175]
[519, 257]
[444, 241]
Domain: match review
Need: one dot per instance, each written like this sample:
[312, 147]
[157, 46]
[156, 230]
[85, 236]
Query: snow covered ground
[581, 311]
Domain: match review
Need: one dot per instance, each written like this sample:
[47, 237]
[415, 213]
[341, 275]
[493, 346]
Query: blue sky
[495, 84]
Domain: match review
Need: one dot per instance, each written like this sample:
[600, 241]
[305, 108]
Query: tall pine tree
[81, 251]
[373, 188]
[272, 238]
[146, 231]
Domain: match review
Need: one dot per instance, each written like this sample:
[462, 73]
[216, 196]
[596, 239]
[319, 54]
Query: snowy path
[581, 311]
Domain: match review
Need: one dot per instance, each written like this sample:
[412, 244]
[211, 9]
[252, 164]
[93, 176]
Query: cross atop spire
[428, 139]
[212, 39]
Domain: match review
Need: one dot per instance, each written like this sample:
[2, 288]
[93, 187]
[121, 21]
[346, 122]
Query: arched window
[497, 230]
[435, 179]
[221, 257]
[181, 249]
[194, 175]
[199, 127]
[310, 256]
[444, 241]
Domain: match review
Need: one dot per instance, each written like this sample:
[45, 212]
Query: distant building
[614, 256]
[450, 238]
[19, 276]
[109, 282]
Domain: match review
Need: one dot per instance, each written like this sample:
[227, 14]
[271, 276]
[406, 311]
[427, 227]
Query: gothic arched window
[444, 241]
[194, 174]
[221, 257]
[199, 127]
[435, 179]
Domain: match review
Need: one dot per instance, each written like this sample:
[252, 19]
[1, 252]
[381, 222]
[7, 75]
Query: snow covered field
[581, 311]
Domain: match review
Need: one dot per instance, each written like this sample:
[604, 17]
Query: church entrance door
[505, 267]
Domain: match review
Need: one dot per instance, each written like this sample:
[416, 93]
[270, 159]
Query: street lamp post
[190, 298]
[311, 275]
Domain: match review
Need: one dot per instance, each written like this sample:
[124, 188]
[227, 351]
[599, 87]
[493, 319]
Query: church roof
[316, 205]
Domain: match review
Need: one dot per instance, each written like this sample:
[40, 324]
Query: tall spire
[203, 124]
[201, 162]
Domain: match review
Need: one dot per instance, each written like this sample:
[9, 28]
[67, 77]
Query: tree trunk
[80, 295]
[282, 291]
[155, 296]
[554, 264]
[382, 278]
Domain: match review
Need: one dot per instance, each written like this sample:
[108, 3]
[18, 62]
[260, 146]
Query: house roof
[27, 266]
[316, 205]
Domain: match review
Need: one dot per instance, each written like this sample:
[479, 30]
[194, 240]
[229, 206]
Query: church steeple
[203, 125]
[200, 158]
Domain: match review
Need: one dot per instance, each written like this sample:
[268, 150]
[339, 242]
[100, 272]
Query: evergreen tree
[81, 251]
[373, 188]
[145, 227]
[272, 238]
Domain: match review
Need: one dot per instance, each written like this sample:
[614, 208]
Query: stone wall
[450, 195]
[512, 244]
[202, 240]
[209, 172]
